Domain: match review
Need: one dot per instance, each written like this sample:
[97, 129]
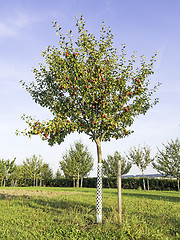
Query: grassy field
[67, 213]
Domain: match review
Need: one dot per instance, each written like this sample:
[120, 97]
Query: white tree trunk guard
[99, 194]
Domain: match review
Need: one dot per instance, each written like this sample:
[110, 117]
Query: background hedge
[127, 183]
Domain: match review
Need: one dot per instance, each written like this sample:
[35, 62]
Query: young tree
[140, 157]
[2, 170]
[68, 166]
[89, 88]
[77, 162]
[58, 174]
[17, 176]
[46, 174]
[168, 160]
[32, 167]
[6, 168]
[110, 166]
[84, 159]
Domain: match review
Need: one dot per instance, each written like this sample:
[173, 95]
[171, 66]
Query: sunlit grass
[69, 213]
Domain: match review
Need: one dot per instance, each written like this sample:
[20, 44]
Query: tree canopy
[89, 88]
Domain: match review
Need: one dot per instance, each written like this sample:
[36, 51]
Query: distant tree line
[77, 163]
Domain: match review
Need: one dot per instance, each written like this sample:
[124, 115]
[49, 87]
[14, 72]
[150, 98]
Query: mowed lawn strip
[69, 213]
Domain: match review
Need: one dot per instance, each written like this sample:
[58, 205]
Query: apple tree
[89, 88]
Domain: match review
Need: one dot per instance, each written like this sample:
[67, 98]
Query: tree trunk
[77, 183]
[178, 184]
[148, 184]
[12, 183]
[99, 184]
[2, 179]
[144, 182]
[74, 182]
[119, 191]
[36, 182]
[81, 181]
[34, 179]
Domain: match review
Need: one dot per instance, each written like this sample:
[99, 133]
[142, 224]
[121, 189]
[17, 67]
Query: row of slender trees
[166, 161]
[32, 172]
[77, 163]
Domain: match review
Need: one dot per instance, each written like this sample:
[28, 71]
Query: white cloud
[6, 31]
[23, 20]
[11, 26]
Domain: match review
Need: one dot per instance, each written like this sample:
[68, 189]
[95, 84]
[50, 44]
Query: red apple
[137, 80]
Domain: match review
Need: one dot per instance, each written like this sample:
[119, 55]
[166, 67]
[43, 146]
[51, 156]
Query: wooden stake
[119, 192]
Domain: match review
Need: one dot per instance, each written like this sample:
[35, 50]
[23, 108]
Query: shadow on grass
[52, 204]
[60, 206]
[153, 196]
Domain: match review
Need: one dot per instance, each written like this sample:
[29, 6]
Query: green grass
[67, 213]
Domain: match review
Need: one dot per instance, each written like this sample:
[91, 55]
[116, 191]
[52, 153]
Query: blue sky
[144, 26]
